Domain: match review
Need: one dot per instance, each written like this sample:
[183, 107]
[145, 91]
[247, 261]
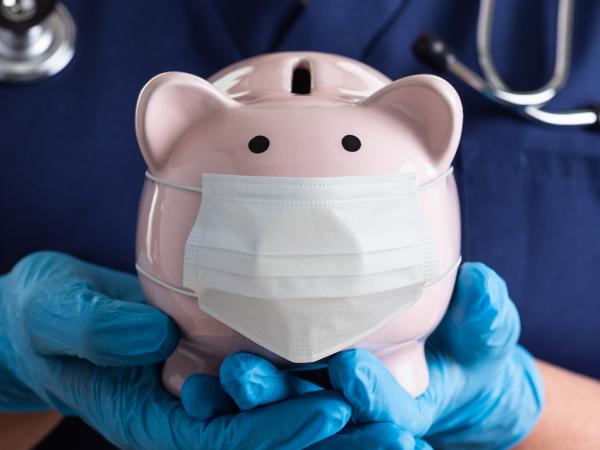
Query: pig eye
[351, 143]
[258, 144]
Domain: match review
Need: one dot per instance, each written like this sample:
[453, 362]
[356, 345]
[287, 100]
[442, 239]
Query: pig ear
[432, 105]
[167, 107]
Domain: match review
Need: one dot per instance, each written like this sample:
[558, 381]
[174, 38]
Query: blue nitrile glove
[254, 382]
[485, 391]
[78, 337]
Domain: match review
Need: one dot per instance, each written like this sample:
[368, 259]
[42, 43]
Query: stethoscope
[434, 52]
[37, 39]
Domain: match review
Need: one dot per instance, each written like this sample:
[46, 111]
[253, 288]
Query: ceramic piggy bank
[296, 205]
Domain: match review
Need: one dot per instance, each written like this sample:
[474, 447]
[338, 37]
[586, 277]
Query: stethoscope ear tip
[432, 51]
[596, 125]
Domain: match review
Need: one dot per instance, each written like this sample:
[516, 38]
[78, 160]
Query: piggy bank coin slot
[301, 80]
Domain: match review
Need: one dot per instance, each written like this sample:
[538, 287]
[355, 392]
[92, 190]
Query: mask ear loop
[452, 268]
[423, 187]
[185, 187]
[148, 275]
[164, 284]
[436, 180]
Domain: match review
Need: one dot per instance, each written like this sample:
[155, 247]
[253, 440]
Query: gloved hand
[485, 391]
[78, 337]
[253, 382]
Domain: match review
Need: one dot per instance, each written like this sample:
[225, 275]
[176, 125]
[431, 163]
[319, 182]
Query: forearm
[571, 415]
[22, 431]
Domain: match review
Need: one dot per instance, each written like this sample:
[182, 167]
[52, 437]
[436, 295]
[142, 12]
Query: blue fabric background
[71, 172]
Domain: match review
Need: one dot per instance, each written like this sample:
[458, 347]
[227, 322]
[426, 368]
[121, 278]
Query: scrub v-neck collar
[347, 27]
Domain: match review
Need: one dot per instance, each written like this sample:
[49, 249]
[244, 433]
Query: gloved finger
[482, 323]
[115, 284]
[128, 406]
[253, 381]
[67, 272]
[374, 393]
[291, 424]
[102, 330]
[374, 436]
[203, 397]
[420, 444]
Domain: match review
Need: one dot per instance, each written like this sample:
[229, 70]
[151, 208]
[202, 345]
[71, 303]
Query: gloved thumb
[253, 381]
[374, 393]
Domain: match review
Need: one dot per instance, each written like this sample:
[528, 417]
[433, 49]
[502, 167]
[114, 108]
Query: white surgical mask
[306, 267]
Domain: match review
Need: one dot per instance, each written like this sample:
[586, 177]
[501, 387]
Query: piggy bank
[295, 205]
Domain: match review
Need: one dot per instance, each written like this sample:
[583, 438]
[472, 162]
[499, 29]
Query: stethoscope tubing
[434, 52]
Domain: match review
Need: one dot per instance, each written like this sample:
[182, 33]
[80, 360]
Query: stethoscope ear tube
[434, 52]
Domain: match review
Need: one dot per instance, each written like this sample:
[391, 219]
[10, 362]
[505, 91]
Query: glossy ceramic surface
[187, 126]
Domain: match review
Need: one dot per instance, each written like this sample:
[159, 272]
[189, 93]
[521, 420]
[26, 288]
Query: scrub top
[71, 172]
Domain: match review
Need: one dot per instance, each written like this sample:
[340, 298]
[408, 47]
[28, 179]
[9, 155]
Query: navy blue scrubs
[71, 172]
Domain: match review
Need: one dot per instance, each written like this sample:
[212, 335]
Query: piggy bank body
[304, 104]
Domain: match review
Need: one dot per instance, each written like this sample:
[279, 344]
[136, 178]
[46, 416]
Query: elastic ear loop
[436, 180]
[193, 295]
[164, 283]
[317, 365]
[186, 187]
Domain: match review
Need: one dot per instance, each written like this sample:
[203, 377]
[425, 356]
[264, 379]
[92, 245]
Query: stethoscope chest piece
[37, 39]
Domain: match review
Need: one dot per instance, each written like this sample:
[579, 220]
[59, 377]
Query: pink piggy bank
[298, 204]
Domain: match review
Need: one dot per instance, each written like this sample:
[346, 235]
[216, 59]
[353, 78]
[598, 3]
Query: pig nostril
[301, 81]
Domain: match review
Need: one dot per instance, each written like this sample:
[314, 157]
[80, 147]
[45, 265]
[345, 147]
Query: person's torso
[71, 172]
